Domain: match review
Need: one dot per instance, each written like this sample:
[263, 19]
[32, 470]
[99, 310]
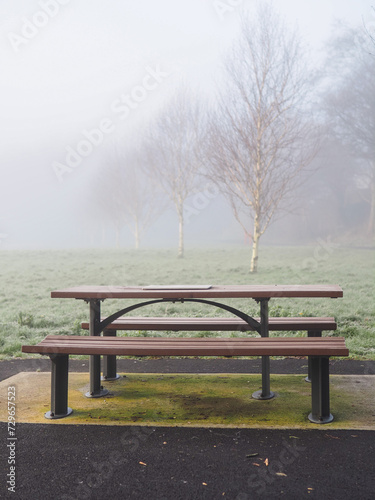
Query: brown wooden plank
[190, 347]
[88, 339]
[222, 291]
[155, 340]
[216, 324]
[85, 340]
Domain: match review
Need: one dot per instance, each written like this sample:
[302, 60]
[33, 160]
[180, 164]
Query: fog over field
[82, 84]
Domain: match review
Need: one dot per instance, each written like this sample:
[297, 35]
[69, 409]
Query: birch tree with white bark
[174, 154]
[260, 135]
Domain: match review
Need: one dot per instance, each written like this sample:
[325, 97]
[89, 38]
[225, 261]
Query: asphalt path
[134, 462]
[191, 365]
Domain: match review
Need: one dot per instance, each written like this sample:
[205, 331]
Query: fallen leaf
[280, 474]
[252, 455]
[142, 463]
[204, 484]
[266, 461]
[255, 464]
[332, 437]
[310, 489]
[293, 437]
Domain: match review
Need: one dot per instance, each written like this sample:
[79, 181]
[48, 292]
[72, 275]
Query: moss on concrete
[198, 400]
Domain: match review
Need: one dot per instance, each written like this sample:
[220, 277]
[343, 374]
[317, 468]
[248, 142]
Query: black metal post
[96, 389]
[59, 386]
[320, 413]
[266, 392]
[311, 333]
[109, 362]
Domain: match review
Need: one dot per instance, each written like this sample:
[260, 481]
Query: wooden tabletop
[198, 291]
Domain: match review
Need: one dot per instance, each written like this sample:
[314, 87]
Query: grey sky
[68, 68]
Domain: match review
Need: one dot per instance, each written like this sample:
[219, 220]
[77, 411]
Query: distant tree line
[273, 124]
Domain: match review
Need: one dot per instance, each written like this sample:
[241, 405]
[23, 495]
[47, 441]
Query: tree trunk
[370, 224]
[180, 234]
[136, 235]
[256, 236]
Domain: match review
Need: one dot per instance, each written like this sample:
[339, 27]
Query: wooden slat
[222, 291]
[216, 324]
[125, 346]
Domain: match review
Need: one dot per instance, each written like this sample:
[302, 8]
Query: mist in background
[80, 78]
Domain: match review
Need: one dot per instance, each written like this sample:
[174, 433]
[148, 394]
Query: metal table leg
[96, 389]
[266, 392]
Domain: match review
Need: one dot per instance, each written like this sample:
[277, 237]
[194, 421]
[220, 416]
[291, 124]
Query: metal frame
[96, 326]
[320, 400]
[266, 392]
[248, 319]
[96, 389]
[109, 362]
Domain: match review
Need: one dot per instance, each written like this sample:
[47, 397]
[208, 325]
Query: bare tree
[368, 28]
[260, 137]
[173, 149]
[350, 107]
[126, 194]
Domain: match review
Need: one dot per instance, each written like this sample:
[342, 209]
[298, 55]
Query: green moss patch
[197, 400]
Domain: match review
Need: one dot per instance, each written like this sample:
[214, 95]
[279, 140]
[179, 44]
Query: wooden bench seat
[218, 324]
[319, 349]
[163, 346]
[313, 326]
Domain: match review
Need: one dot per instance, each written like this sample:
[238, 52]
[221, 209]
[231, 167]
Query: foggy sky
[68, 69]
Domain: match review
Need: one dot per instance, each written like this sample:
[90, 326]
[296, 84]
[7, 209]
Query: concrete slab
[187, 400]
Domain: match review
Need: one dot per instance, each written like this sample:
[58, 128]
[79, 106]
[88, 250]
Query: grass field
[28, 313]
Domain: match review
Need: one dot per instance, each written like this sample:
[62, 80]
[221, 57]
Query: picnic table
[153, 294]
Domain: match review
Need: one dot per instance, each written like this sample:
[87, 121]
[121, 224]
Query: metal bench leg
[311, 333]
[96, 389]
[59, 386]
[109, 362]
[320, 413]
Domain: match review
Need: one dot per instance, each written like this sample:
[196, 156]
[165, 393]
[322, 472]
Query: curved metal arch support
[103, 324]
[248, 319]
